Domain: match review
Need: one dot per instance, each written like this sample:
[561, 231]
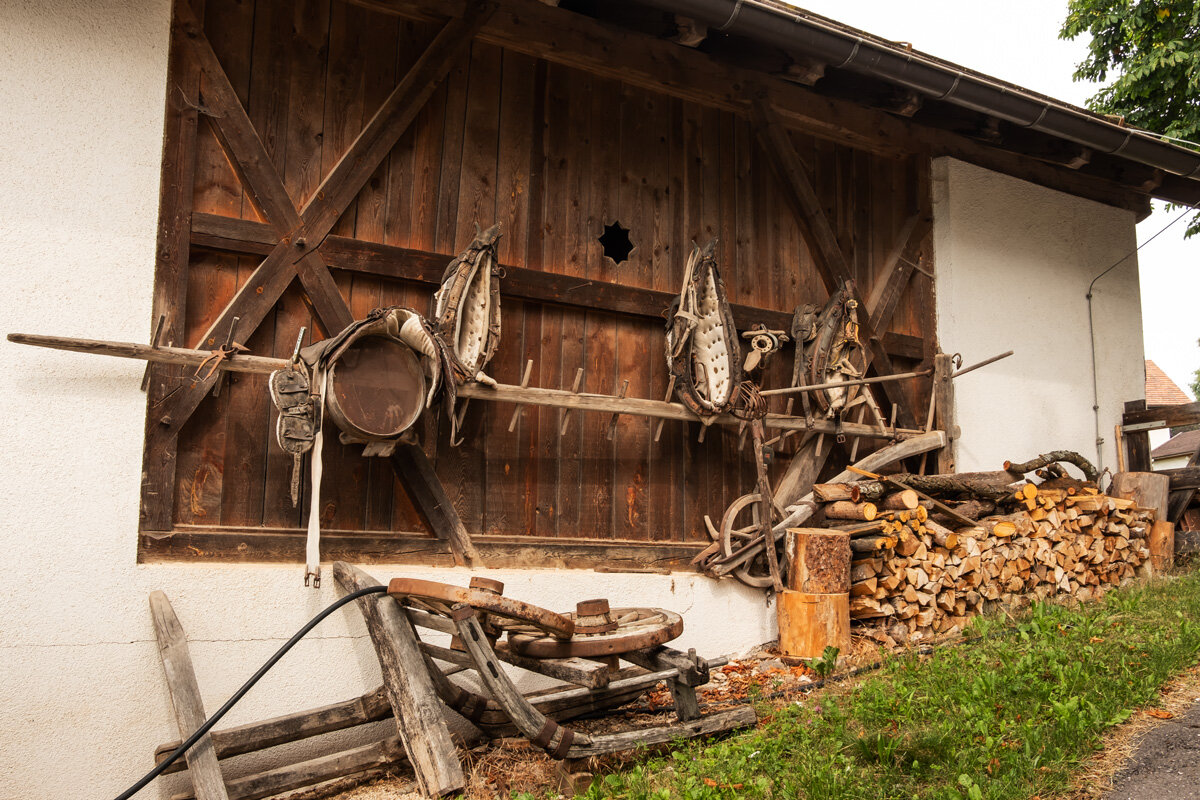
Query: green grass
[1007, 714]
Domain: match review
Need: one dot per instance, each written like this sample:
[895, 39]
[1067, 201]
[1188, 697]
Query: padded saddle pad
[467, 307]
[835, 353]
[702, 342]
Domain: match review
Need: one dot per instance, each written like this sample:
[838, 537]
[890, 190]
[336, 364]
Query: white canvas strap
[312, 552]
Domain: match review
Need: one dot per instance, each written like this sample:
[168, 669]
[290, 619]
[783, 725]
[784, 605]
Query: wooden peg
[565, 414]
[858, 439]
[666, 399]
[154, 342]
[612, 423]
[512, 424]
[216, 392]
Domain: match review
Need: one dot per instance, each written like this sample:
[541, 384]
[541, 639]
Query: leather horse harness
[374, 378]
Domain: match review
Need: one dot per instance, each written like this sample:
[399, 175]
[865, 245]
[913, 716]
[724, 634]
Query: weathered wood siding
[553, 154]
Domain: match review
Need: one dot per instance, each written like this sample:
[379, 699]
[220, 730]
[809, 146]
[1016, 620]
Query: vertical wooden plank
[502, 513]
[203, 768]
[701, 189]
[666, 184]
[472, 202]
[600, 330]
[170, 276]
[632, 434]
[944, 416]
[270, 92]
[380, 38]
[246, 410]
[345, 480]
[528, 464]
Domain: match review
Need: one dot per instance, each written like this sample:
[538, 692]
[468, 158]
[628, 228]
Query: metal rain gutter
[844, 50]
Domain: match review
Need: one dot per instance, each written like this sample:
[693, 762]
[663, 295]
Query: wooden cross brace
[300, 230]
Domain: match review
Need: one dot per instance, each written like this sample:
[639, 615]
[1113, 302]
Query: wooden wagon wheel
[625, 630]
[505, 612]
[733, 537]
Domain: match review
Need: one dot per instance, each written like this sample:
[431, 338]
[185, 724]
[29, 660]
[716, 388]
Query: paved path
[1166, 765]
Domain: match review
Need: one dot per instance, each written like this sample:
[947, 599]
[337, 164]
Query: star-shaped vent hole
[616, 244]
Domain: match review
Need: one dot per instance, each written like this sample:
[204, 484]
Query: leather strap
[543, 738]
[564, 744]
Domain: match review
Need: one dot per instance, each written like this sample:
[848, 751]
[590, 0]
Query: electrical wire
[1092, 331]
[240, 693]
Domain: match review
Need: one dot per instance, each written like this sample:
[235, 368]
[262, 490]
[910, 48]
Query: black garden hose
[240, 693]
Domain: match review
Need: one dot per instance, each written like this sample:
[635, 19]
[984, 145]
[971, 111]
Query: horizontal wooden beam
[659, 409]
[261, 545]
[1154, 417]
[420, 266]
[1182, 477]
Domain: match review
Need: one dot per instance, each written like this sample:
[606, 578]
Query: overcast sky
[1017, 41]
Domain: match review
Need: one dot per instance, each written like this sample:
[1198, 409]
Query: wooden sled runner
[418, 690]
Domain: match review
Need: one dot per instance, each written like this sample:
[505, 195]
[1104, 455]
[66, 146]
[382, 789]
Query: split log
[832, 492]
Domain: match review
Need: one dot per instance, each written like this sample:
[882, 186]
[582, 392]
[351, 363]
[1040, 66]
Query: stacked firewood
[918, 570]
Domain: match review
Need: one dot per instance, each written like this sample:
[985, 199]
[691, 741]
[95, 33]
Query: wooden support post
[1137, 443]
[207, 780]
[410, 690]
[944, 413]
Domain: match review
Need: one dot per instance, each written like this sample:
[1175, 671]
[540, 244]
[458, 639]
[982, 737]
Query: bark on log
[1065, 456]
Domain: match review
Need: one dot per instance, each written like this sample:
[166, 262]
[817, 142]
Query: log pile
[918, 572]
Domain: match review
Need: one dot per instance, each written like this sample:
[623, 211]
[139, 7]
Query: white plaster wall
[1013, 263]
[82, 697]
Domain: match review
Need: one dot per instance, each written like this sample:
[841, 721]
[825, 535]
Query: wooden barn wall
[553, 154]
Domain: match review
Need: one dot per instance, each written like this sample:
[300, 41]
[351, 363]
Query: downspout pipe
[841, 49]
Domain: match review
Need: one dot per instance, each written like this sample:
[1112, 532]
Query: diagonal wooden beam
[300, 233]
[295, 254]
[896, 272]
[380, 135]
[831, 262]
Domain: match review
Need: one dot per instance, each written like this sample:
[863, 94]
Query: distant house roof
[1161, 390]
[1183, 444]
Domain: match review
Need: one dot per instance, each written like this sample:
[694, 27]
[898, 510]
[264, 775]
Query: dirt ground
[1155, 755]
[506, 766]
[1166, 765]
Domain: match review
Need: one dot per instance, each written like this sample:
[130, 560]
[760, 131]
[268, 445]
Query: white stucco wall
[82, 696]
[1013, 264]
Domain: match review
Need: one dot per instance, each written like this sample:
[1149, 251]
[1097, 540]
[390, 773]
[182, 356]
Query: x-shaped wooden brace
[302, 230]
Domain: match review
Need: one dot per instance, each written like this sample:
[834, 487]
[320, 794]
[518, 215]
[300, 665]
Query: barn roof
[856, 65]
[1161, 390]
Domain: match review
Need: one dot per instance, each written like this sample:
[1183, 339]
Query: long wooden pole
[506, 393]
[812, 387]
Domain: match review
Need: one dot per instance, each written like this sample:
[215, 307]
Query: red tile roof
[1161, 390]
[1183, 444]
